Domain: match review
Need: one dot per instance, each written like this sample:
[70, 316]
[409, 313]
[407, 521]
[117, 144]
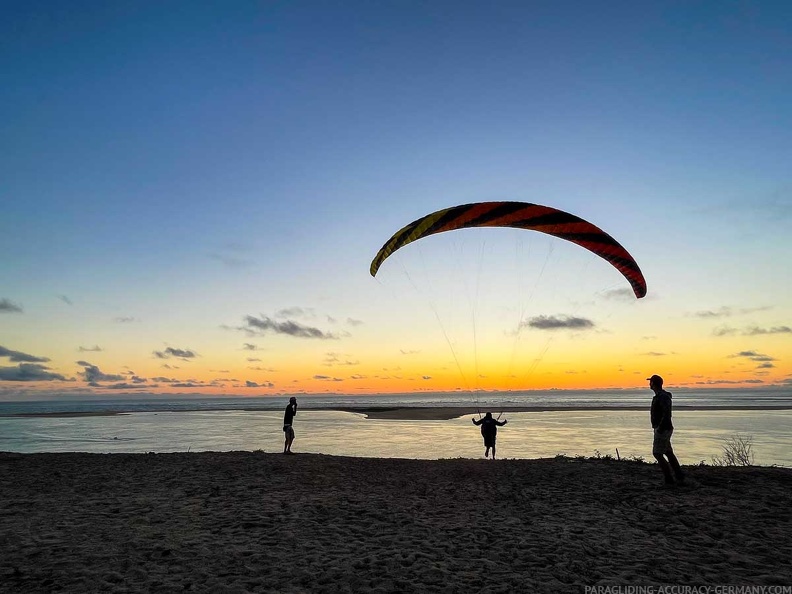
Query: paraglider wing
[520, 215]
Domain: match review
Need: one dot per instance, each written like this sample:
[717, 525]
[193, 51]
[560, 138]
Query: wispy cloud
[751, 331]
[339, 359]
[230, 261]
[65, 299]
[756, 331]
[124, 319]
[727, 312]
[295, 312]
[327, 378]
[8, 306]
[723, 312]
[128, 386]
[619, 295]
[265, 325]
[353, 322]
[728, 382]
[232, 255]
[753, 356]
[29, 372]
[94, 349]
[557, 323]
[20, 357]
[249, 347]
[183, 354]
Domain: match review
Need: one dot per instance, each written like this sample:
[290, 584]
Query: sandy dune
[256, 522]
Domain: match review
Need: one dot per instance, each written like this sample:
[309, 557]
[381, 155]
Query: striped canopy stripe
[520, 215]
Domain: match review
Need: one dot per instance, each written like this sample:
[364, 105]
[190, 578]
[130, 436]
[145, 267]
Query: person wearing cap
[663, 429]
[288, 419]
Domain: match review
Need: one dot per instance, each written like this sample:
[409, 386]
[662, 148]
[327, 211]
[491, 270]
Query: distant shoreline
[405, 413]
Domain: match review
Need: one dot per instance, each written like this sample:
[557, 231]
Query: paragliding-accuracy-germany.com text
[720, 589]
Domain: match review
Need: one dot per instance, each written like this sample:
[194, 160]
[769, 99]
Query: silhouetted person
[288, 419]
[489, 431]
[663, 429]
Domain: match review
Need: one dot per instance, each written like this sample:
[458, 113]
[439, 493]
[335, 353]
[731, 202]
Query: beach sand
[260, 522]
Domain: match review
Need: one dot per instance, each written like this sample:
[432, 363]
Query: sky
[192, 194]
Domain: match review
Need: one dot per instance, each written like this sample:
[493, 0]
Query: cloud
[264, 325]
[354, 322]
[65, 299]
[727, 312]
[654, 354]
[327, 378]
[723, 312]
[753, 356]
[93, 375]
[295, 312]
[717, 382]
[124, 319]
[230, 261]
[183, 354]
[756, 331]
[29, 372]
[619, 295]
[426, 377]
[751, 331]
[253, 360]
[93, 349]
[7, 306]
[765, 366]
[332, 359]
[20, 357]
[127, 386]
[557, 323]
[403, 352]
[249, 347]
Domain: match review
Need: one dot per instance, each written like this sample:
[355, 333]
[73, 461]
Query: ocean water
[226, 424]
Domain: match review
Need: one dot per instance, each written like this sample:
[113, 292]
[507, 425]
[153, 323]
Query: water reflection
[698, 436]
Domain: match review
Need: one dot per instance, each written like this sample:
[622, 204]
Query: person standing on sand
[663, 429]
[288, 419]
[489, 431]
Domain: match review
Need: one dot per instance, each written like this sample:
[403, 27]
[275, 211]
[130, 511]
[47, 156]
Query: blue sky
[182, 165]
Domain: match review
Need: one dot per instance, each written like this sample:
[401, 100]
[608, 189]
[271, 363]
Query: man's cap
[656, 379]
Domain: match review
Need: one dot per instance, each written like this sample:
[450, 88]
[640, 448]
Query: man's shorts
[289, 431]
[662, 442]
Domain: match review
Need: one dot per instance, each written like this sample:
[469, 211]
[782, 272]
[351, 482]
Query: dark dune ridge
[257, 522]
